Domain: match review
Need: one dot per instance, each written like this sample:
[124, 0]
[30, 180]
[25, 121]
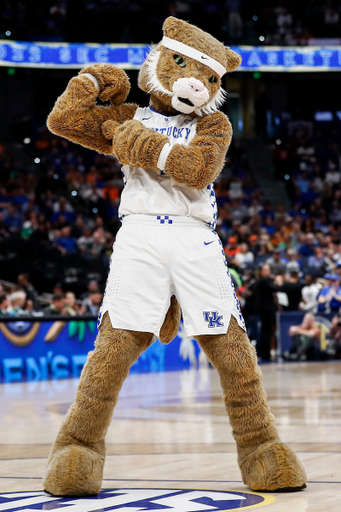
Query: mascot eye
[180, 61]
[213, 79]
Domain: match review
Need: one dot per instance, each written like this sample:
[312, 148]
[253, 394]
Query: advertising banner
[73, 55]
[40, 350]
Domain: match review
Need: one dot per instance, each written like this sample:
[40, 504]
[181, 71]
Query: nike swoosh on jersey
[208, 243]
[146, 118]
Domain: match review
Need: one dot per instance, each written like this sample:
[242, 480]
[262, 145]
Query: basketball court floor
[170, 445]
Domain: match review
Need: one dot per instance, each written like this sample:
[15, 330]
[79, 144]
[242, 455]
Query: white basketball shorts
[155, 257]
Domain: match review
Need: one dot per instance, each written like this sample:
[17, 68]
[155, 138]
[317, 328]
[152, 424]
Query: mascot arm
[75, 115]
[198, 164]
[134, 144]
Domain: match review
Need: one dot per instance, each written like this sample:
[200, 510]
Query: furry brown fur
[171, 324]
[75, 465]
[265, 462]
[76, 116]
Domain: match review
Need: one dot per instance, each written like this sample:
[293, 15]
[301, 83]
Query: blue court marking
[140, 499]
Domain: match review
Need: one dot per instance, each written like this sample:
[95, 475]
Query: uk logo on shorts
[213, 318]
[172, 500]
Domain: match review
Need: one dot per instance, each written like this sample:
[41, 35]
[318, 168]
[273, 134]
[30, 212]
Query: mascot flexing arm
[167, 247]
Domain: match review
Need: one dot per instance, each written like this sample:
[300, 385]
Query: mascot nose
[195, 84]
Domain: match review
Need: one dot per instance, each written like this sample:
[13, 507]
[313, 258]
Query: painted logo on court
[136, 500]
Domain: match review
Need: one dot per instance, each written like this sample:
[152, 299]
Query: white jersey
[152, 192]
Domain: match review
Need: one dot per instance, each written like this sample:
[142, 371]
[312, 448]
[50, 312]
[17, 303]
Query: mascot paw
[273, 467]
[113, 82]
[109, 129]
[74, 471]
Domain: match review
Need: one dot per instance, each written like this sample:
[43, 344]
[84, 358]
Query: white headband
[173, 44]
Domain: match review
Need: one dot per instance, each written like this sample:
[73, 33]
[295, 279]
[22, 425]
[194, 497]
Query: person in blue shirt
[308, 248]
[329, 298]
[66, 243]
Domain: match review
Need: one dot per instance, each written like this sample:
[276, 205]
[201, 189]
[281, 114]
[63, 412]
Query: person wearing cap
[232, 249]
[329, 298]
[254, 245]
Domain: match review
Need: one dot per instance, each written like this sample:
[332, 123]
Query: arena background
[278, 194]
[279, 198]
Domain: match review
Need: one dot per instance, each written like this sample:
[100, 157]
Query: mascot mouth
[186, 101]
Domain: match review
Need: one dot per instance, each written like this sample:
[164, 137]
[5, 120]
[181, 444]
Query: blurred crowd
[139, 21]
[22, 299]
[58, 222]
[291, 23]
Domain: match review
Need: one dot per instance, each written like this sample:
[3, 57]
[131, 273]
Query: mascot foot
[273, 467]
[74, 471]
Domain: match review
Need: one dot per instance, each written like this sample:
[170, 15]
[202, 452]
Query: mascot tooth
[166, 252]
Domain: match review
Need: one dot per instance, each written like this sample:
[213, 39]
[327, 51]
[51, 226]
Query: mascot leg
[266, 463]
[75, 465]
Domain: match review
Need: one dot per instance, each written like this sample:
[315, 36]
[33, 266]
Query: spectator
[255, 208]
[232, 249]
[85, 241]
[329, 298]
[93, 287]
[308, 248]
[292, 288]
[66, 243]
[265, 306]
[317, 262]
[310, 293]
[276, 263]
[4, 304]
[304, 339]
[249, 306]
[26, 286]
[18, 304]
[292, 263]
[93, 303]
[71, 306]
[57, 307]
[254, 245]
[335, 334]
[333, 176]
[12, 218]
[244, 258]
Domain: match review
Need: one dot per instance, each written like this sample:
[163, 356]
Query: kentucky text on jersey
[173, 131]
[151, 191]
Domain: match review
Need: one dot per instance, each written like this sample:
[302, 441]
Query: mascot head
[184, 71]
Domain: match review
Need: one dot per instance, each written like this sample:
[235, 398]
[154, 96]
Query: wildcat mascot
[167, 252]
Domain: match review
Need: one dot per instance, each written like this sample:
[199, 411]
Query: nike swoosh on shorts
[208, 243]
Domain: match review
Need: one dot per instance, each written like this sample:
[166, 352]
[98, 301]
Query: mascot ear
[173, 26]
[233, 59]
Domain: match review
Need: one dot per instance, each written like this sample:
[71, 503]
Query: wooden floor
[170, 431]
